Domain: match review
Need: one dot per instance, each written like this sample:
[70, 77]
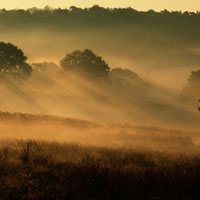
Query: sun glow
[191, 5]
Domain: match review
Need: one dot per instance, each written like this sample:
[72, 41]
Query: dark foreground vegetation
[40, 170]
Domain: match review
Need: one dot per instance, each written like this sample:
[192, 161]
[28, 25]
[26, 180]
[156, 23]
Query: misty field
[99, 104]
[42, 170]
[48, 157]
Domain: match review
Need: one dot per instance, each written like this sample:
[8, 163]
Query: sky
[183, 5]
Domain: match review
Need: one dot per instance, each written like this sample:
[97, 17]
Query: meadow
[41, 170]
[45, 157]
[74, 126]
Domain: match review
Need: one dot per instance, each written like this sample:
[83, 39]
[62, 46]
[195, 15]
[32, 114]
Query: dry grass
[41, 170]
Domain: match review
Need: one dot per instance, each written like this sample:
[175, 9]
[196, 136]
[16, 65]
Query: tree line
[85, 63]
[96, 15]
[166, 38]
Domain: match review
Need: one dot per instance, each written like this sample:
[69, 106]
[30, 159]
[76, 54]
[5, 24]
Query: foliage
[86, 63]
[45, 67]
[123, 76]
[190, 93]
[13, 62]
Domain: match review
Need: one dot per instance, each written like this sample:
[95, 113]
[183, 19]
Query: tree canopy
[45, 67]
[13, 62]
[86, 63]
[190, 93]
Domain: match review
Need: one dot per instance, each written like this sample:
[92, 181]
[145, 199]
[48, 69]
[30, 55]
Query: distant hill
[45, 119]
[157, 39]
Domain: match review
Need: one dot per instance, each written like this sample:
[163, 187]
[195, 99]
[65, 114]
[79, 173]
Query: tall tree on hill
[190, 93]
[13, 62]
[85, 63]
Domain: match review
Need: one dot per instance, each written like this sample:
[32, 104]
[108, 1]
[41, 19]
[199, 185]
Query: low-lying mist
[129, 123]
[156, 48]
[114, 112]
[20, 126]
[116, 99]
[161, 46]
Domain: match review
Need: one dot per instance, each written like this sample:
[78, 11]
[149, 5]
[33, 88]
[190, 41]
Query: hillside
[51, 128]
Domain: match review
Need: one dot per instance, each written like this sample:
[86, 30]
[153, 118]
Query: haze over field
[99, 103]
[149, 58]
[157, 46]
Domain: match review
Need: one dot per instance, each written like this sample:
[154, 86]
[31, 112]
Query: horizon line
[48, 7]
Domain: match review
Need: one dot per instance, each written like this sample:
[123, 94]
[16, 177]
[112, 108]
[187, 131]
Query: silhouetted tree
[190, 93]
[45, 67]
[86, 63]
[13, 62]
[124, 74]
[126, 77]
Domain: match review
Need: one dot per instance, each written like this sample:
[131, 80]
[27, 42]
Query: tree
[86, 63]
[45, 67]
[124, 74]
[190, 92]
[126, 77]
[13, 62]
